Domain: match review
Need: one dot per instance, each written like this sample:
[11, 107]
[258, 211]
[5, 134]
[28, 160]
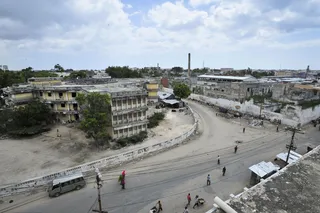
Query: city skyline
[84, 34]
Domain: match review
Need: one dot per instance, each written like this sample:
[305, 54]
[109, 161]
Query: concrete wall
[102, 163]
[246, 107]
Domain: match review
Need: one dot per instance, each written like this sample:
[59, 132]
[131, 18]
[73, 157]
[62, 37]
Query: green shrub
[155, 119]
[134, 139]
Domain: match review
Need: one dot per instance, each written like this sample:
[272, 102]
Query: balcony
[125, 111]
[123, 125]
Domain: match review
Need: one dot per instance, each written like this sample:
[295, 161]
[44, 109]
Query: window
[248, 90]
[114, 103]
[134, 101]
[139, 100]
[124, 102]
[139, 114]
[144, 113]
[135, 128]
[74, 94]
[129, 102]
[140, 127]
[121, 131]
[55, 187]
[41, 94]
[60, 94]
[49, 94]
[130, 129]
[115, 132]
[125, 130]
[51, 105]
[115, 118]
[63, 105]
[119, 103]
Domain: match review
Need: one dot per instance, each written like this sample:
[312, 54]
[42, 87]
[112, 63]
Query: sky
[95, 34]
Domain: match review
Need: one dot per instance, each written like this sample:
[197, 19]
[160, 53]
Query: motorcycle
[153, 210]
[200, 201]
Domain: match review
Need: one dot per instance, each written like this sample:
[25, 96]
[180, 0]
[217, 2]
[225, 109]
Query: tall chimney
[189, 61]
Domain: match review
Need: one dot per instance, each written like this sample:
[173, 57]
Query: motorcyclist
[196, 201]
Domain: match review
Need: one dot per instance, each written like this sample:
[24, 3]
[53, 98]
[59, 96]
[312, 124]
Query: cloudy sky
[100, 33]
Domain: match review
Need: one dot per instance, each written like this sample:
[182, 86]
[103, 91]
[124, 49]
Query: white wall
[247, 107]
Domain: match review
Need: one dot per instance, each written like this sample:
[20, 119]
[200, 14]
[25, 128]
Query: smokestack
[189, 61]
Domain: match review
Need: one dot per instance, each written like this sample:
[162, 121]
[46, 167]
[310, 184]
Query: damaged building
[232, 87]
[128, 103]
[295, 92]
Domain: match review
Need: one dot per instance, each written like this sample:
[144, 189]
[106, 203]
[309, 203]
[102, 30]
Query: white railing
[102, 163]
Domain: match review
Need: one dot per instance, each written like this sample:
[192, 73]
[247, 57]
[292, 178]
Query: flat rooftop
[113, 89]
[295, 189]
[241, 78]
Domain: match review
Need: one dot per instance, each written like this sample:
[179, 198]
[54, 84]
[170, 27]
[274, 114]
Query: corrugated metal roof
[66, 178]
[163, 95]
[228, 77]
[292, 158]
[263, 168]
[172, 101]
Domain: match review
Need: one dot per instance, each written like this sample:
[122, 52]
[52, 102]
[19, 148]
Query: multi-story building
[214, 79]
[231, 87]
[61, 99]
[128, 103]
[152, 89]
[128, 108]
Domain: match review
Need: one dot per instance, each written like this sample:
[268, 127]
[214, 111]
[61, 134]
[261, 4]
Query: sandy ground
[44, 154]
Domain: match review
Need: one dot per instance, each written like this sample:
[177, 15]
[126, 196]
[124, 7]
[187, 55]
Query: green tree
[58, 68]
[78, 74]
[181, 90]
[26, 120]
[7, 78]
[123, 72]
[96, 112]
[176, 71]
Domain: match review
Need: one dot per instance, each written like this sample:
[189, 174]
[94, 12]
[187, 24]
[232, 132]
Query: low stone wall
[102, 163]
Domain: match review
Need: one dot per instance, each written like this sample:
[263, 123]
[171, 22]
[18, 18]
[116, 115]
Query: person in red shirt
[189, 199]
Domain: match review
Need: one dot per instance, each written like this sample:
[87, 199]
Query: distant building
[213, 79]
[152, 89]
[283, 73]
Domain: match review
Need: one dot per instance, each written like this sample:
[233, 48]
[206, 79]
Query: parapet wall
[102, 163]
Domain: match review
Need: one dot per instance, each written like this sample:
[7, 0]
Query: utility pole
[99, 185]
[291, 146]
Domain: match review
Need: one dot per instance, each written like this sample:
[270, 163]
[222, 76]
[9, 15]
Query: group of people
[198, 201]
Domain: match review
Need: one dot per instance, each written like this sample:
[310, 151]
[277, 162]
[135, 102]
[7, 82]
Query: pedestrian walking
[236, 149]
[123, 183]
[159, 206]
[208, 180]
[277, 128]
[218, 160]
[189, 199]
[244, 130]
[224, 171]
[186, 210]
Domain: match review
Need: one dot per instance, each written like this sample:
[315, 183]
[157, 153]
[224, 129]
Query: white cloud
[197, 3]
[176, 16]
[105, 27]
